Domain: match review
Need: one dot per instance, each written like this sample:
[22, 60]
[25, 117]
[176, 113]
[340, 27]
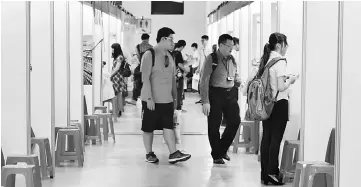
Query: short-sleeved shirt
[161, 77]
[278, 70]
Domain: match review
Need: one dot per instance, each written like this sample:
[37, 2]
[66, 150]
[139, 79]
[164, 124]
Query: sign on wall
[143, 26]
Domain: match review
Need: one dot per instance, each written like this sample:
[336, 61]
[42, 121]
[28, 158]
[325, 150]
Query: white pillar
[350, 150]
[320, 77]
[60, 63]
[41, 69]
[76, 61]
[15, 57]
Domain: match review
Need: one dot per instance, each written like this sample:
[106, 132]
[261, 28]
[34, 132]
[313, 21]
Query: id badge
[230, 78]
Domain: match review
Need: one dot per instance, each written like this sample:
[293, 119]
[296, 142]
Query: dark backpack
[137, 73]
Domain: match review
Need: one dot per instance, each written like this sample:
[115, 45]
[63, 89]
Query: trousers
[222, 101]
[273, 130]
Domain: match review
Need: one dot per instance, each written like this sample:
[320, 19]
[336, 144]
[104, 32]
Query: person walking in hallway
[204, 51]
[219, 96]
[159, 96]
[140, 50]
[274, 127]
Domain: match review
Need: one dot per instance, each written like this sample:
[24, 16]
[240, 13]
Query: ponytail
[264, 59]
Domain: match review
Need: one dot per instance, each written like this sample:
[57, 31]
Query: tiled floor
[122, 163]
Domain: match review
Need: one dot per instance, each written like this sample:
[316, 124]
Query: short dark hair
[180, 43]
[223, 38]
[205, 37]
[164, 32]
[235, 40]
[195, 45]
[145, 36]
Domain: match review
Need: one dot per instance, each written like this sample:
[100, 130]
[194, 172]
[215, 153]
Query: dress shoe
[226, 157]
[218, 161]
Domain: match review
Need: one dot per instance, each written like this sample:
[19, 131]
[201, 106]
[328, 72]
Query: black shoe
[151, 158]
[119, 113]
[178, 157]
[218, 161]
[226, 157]
[273, 180]
[199, 102]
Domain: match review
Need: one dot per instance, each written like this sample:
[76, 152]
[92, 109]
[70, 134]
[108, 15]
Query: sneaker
[178, 157]
[151, 158]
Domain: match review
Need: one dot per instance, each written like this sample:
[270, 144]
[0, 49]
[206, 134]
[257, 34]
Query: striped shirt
[143, 47]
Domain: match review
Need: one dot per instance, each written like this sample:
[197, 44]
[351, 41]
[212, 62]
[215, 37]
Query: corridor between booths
[61, 74]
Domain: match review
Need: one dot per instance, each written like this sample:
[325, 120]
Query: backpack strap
[153, 55]
[273, 62]
[171, 54]
[214, 61]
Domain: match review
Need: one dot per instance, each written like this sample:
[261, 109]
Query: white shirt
[196, 59]
[278, 70]
[203, 53]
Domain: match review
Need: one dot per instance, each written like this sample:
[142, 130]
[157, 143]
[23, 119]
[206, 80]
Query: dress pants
[273, 130]
[222, 101]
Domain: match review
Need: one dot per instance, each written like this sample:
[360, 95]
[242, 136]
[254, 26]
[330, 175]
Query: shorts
[158, 119]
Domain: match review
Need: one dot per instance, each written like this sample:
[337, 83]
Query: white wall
[14, 127]
[321, 69]
[76, 61]
[41, 73]
[291, 26]
[189, 27]
[60, 68]
[244, 46]
[351, 88]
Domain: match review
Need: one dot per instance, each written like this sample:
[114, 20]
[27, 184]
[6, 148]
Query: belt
[222, 89]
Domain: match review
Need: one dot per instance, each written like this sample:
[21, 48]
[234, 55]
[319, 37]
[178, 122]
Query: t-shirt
[196, 59]
[160, 77]
[178, 57]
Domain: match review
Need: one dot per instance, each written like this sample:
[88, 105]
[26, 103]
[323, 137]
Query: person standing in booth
[219, 96]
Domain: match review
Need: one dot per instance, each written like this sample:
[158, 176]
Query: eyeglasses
[169, 38]
[166, 61]
[230, 46]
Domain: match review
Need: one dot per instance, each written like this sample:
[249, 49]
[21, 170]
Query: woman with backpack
[120, 71]
[273, 67]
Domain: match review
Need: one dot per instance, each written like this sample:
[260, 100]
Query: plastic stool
[8, 173]
[61, 154]
[75, 123]
[46, 161]
[93, 130]
[236, 144]
[103, 109]
[29, 160]
[289, 160]
[327, 169]
[105, 125]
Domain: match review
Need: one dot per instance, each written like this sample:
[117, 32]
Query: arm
[205, 78]
[117, 66]
[146, 69]
[174, 86]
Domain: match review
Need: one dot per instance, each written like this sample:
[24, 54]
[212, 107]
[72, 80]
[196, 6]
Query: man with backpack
[140, 50]
[219, 96]
[159, 96]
